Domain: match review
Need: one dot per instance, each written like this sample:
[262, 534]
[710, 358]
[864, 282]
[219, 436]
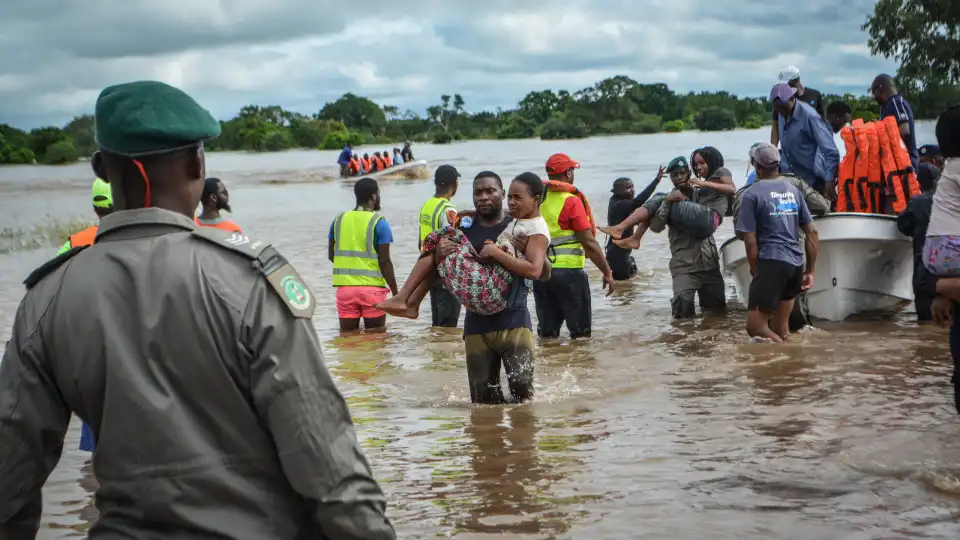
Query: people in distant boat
[790, 75]
[359, 248]
[355, 167]
[839, 115]
[215, 199]
[808, 149]
[884, 90]
[565, 297]
[913, 222]
[367, 164]
[772, 212]
[397, 156]
[622, 203]
[344, 160]
[407, 152]
[930, 153]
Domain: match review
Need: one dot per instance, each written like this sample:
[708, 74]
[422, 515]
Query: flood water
[650, 429]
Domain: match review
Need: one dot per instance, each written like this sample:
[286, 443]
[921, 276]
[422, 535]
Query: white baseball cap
[789, 73]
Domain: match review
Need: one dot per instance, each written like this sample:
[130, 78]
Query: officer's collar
[124, 219]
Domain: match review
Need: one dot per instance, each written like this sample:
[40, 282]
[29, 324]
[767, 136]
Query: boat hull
[865, 265]
[418, 169]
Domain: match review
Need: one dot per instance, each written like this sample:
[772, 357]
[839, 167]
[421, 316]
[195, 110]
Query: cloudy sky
[58, 54]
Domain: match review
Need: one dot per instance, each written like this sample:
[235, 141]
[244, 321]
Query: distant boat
[865, 265]
[411, 170]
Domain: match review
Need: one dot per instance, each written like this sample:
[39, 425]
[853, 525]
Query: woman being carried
[699, 217]
[481, 281]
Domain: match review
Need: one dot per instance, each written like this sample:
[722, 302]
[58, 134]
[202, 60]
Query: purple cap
[782, 91]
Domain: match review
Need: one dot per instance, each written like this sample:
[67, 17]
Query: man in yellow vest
[102, 206]
[360, 252]
[435, 214]
[566, 296]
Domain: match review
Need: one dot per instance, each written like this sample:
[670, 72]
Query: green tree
[60, 153]
[715, 119]
[923, 35]
[355, 112]
[43, 138]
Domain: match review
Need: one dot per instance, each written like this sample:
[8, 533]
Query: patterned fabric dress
[481, 288]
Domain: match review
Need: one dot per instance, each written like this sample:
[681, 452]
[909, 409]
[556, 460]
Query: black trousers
[444, 306]
[564, 298]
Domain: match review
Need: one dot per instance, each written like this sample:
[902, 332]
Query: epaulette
[284, 279]
[48, 267]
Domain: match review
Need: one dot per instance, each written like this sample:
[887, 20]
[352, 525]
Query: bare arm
[775, 131]
[531, 266]
[753, 251]
[722, 185]
[812, 242]
[904, 130]
[386, 267]
[331, 246]
[595, 254]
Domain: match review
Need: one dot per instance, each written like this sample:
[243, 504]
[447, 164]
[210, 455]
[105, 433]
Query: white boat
[865, 265]
[412, 170]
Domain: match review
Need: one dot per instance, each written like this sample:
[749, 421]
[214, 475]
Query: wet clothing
[621, 262]
[776, 281]
[481, 287]
[807, 147]
[775, 211]
[694, 261]
[941, 255]
[913, 222]
[444, 306]
[359, 301]
[516, 314]
[564, 298]
[132, 334]
[899, 108]
[515, 349]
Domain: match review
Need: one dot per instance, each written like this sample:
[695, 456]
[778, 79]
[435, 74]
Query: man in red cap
[566, 296]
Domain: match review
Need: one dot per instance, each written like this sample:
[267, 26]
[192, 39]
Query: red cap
[560, 163]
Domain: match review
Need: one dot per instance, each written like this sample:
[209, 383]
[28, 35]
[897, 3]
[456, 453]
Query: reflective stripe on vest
[568, 251]
[355, 260]
[430, 214]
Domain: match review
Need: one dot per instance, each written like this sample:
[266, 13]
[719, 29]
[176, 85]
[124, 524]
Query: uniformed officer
[189, 351]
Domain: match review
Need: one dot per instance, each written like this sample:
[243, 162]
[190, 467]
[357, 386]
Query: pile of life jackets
[876, 175]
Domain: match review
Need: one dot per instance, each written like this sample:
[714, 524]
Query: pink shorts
[355, 302]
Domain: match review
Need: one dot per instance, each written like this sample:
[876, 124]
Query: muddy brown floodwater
[651, 429]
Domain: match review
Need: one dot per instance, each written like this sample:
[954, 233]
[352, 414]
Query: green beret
[150, 117]
[678, 163]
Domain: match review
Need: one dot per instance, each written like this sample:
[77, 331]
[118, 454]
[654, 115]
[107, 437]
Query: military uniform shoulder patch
[48, 267]
[281, 275]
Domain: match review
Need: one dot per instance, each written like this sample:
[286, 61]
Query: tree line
[921, 34]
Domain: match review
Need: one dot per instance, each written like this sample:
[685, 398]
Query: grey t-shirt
[774, 210]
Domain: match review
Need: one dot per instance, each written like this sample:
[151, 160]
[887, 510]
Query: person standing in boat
[930, 153]
[771, 215]
[407, 152]
[435, 214]
[344, 160]
[397, 157]
[790, 75]
[839, 115]
[565, 297]
[193, 358]
[622, 203]
[808, 149]
[216, 199]
[892, 103]
[913, 222]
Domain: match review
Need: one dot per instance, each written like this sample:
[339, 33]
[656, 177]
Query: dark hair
[533, 182]
[884, 81]
[488, 174]
[839, 108]
[365, 189]
[712, 157]
[210, 187]
[446, 176]
[948, 133]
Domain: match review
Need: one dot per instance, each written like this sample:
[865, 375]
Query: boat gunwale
[882, 217]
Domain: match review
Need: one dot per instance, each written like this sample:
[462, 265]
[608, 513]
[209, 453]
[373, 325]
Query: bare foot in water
[613, 232]
[398, 308]
[628, 243]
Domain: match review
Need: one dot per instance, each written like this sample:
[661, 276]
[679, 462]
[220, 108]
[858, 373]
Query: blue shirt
[397, 159]
[775, 211]
[752, 177]
[345, 156]
[898, 108]
[381, 232]
[807, 146]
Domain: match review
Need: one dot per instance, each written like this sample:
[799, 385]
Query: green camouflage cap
[149, 117]
[678, 163]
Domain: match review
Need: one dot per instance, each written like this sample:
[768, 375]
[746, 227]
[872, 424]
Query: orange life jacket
[367, 164]
[563, 187]
[225, 225]
[378, 163]
[353, 166]
[876, 169]
[84, 237]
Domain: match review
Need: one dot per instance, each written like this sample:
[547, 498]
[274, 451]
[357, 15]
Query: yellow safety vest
[355, 261]
[430, 214]
[569, 253]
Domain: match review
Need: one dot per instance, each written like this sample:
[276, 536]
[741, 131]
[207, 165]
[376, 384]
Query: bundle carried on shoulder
[875, 175]
[564, 187]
